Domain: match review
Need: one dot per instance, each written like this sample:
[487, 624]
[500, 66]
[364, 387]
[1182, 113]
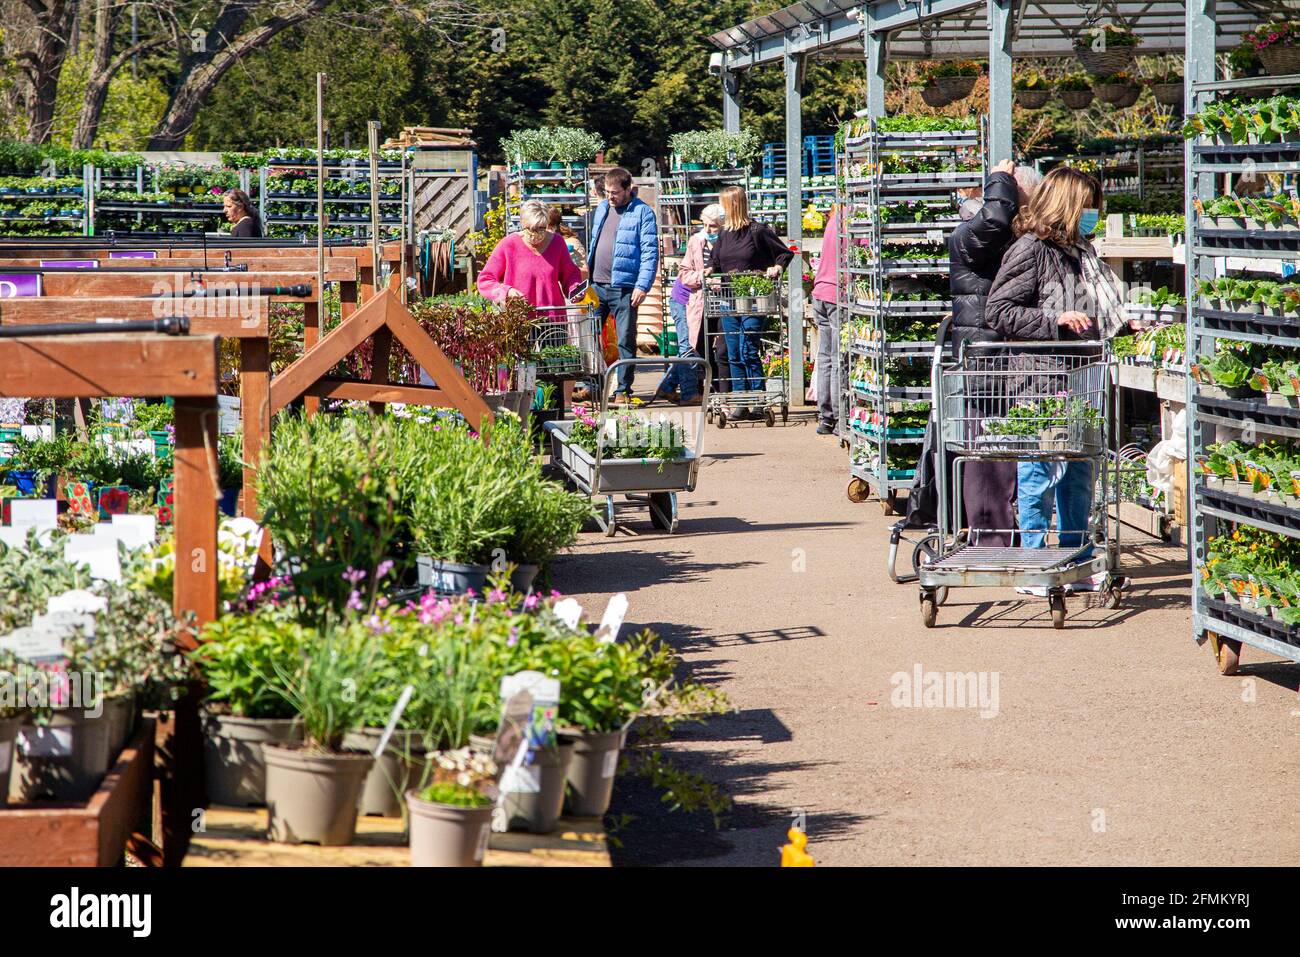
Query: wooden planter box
[93, 834]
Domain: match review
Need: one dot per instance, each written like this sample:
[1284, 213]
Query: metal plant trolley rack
[1210, 417]
[650, 482]
[867, 195]
[723, 298]
[568, 187]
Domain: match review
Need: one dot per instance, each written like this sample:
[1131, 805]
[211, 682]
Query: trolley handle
[1040, 345]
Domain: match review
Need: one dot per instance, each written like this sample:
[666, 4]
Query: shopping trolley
[736, 294]
[566, 342]
[644, 481]
[1050, 402]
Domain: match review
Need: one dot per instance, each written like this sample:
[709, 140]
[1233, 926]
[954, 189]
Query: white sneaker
[1037, 591]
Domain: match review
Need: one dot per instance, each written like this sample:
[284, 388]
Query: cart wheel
[663, 504]
[609, 517]
[1114, 596]
[1057, 604]
[785, 414]
[722, 419]
[708, 416]
[929, 610]
[1227, 653]
[769, 417]
[858, 490]
[941, 595]
[926, 551]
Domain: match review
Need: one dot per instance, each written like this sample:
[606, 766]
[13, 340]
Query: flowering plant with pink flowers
[1275, 33]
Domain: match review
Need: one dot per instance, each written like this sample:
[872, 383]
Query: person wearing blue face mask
[686, 306]
[1053, 287]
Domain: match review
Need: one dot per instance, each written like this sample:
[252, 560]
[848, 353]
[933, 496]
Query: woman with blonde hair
[745, 245]
[533, 264]
[1052, 287]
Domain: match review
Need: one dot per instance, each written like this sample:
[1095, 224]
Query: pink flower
[555, 594]
[381, 601]
[384, 568]
[354, 601]
[496, 595]
[531, 601]
[513, 639]
[469, 593]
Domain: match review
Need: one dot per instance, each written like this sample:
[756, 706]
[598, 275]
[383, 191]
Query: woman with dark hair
[243, 218]
[1052, 287]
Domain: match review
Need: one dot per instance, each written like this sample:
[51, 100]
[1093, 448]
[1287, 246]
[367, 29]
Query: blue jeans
[618, 300]
[682, 377]
[1072, 495]
[741, 333]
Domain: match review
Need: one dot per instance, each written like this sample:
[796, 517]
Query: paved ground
[1114, 741]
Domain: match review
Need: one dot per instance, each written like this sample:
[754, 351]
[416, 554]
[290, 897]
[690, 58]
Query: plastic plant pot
[398, 767]
[451, 578]
[443, 835]
[64, 760]
[591, 773]
[537, 809]
[232, 755]
[229, 501]
[312, 797]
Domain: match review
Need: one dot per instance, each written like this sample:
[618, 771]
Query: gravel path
[1114, 741]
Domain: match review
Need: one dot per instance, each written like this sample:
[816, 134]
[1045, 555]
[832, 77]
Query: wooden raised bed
[93, 834]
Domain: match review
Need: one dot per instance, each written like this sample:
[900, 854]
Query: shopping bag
[609, 340]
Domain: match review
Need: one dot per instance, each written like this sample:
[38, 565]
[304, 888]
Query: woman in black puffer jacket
[1053, 288]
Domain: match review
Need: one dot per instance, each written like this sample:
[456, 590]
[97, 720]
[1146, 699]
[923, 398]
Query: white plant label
[611, 764]
[78, 601]
[485, 832]
[522, 779]
[45, 742]
[14, 538]
[41, 512]
[612, 621]
[402, 701]
[99, 554]
[136, 531]
[569, 611]
[33, 644]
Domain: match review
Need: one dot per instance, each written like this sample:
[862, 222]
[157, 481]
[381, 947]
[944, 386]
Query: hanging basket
[954, 87]
[1168, 94]
[1105, 62]
[1130, 97]
[1118, 94]
[1280, 59]
[934, 96]
[1033, 99]
[1076, 99]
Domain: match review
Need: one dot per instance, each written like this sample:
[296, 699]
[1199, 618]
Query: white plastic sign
[612, 621]
[34, 644]
[97, 553]
[39, 512]
[568, 611]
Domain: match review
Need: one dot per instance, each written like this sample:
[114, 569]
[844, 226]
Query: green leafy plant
[1032, 80]
[1075, 82]
[328, 685]
[1106, 36]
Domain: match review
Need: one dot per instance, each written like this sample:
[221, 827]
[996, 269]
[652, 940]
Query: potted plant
[1167, 88]
[1107, 49]
[451, 814]
[313, 787]
[575, 148]
[230, 470]
[1075, 90]
[1118, 89]
[1275, 43]
[954, 79]
[1033, 90]
[240, 660]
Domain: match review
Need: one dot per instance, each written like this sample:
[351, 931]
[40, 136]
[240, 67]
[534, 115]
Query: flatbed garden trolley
[726, 295]
[1024, 402]
[650, 482]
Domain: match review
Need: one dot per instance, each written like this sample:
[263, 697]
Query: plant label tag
[14, 538]
[38, 512]
[66, 623]
[136, 531]
[227, 414]
[480, 848]
[45, 742]
[611, 764]
[545, 693]
[612, 621]
[522, 779]
[934, 235]
[568, 611]
[34, 644]
[403, 700]
[97, 553]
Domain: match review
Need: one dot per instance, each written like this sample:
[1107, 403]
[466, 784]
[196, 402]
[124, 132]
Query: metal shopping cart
[750, 294]
[1047, 402]
[566, 342]
[606, 470]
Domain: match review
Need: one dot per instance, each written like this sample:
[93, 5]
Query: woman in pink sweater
[533, 264]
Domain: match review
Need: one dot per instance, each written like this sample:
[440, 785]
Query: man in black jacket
[975, 250]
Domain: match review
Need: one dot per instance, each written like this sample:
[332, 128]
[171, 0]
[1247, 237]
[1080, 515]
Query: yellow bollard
[793, 854]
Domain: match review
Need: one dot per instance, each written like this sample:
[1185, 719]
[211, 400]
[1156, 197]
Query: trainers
[664, 396]
[1037, 591]
[825, 428]
[694, 400]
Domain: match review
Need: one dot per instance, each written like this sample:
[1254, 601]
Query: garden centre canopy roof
[951, 29]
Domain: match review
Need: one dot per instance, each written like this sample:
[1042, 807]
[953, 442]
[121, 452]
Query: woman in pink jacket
[686, 304]
[533, 264]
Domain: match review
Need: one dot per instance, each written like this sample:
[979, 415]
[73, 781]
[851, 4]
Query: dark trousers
[988, 491]
[717, 353]
[618, 301]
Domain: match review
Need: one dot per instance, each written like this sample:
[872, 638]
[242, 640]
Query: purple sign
[20, 286]
[69, 264]
[134, 254]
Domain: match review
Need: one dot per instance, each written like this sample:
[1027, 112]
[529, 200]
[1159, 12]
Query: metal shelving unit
[393, 207]
[568, 188]
[878, 341]
[1211, 418]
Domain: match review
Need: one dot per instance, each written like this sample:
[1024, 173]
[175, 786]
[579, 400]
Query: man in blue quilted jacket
[624, 255]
